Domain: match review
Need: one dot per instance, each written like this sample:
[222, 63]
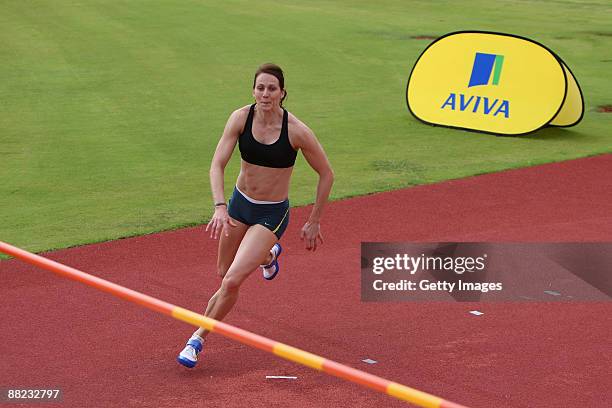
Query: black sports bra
[279, 154]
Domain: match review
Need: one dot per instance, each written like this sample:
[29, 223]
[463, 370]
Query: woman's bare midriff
[264, 183]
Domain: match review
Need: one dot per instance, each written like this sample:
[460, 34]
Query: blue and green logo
[484, 65]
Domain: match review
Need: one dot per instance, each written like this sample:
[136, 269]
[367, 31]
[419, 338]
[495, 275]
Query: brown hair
[274, 70]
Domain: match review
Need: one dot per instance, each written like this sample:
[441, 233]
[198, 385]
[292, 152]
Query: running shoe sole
[275, 263]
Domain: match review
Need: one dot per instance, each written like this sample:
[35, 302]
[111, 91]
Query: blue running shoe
[189, 356]
[270, 270]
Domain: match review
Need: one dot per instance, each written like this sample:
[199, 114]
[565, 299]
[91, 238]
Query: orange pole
[379, 384]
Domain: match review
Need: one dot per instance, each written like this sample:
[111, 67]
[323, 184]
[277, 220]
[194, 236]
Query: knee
[231, 284]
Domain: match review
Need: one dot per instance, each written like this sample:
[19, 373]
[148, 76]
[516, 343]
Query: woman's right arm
[222, 155]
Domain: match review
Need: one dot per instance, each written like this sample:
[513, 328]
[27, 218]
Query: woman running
[251, 224]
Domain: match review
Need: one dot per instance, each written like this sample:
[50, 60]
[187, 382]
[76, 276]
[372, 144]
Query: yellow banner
[492, 82]
[573, 108]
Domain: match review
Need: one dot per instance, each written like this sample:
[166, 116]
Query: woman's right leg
[228, 246]
[252, 252]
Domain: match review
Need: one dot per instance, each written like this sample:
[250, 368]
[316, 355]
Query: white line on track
[281, 377]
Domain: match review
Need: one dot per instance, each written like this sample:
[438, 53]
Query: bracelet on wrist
[220, 204]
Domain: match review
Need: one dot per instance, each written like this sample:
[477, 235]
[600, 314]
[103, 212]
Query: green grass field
[110, 110]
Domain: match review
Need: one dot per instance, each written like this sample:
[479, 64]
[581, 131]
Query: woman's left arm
[317, 159]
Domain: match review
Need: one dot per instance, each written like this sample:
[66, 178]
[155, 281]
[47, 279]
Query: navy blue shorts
[274, 217]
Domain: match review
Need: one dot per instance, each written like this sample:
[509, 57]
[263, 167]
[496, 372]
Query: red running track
[103, 351]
